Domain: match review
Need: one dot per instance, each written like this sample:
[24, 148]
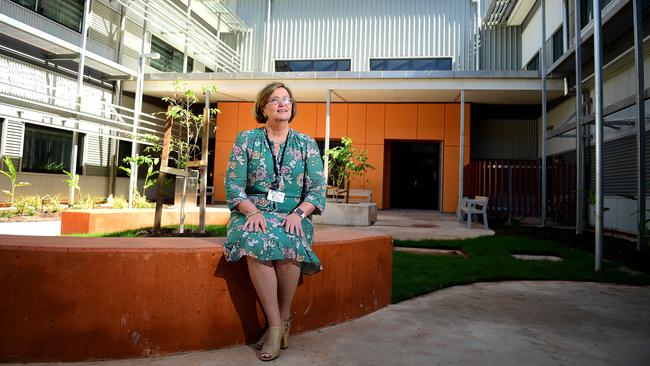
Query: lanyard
[276, 166]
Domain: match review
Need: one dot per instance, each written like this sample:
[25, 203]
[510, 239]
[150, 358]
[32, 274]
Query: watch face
[300, 212]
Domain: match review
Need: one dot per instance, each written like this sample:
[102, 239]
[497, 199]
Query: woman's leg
[266, 285]
[288, 274]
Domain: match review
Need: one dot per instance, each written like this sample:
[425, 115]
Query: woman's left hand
[293, 224]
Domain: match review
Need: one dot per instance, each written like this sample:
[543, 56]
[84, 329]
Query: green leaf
[23, 184]
[7, 192]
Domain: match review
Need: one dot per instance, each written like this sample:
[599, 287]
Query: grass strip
[489, 258]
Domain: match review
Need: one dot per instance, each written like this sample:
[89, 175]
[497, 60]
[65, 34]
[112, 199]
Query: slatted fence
[514, 187]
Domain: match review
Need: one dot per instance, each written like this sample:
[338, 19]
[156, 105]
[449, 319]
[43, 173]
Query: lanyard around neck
[277, 165]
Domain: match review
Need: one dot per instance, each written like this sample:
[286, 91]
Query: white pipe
[327, 129]
[462, 149]
[598, 80]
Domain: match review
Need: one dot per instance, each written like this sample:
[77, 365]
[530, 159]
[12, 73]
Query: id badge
[275, 196]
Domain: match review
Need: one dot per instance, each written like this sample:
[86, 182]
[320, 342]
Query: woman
[274, 182]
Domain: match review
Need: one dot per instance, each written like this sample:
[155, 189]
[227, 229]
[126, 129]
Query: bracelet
[252, 214]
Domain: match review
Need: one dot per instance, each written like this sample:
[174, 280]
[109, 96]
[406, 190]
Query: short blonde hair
[263, 98]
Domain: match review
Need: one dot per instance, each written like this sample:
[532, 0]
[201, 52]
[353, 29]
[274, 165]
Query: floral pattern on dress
[250, 174]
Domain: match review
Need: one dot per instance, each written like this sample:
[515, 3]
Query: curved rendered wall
[73, 299]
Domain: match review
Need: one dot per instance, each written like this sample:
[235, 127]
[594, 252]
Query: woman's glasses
[277, 101]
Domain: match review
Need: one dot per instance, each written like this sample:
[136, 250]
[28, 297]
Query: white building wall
[359, 30]
[531, 35]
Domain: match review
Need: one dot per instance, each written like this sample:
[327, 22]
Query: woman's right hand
[256, 222]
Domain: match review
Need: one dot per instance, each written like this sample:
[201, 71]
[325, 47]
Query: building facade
[393, 75]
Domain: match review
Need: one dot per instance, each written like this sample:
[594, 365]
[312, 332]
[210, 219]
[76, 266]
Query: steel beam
[640, 126]
[598, 80]
[580, 147]
[542, 59]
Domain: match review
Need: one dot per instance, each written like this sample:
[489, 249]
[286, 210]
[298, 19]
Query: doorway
[415, 175]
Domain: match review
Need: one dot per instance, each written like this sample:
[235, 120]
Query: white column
[327, 129]
[462, 149]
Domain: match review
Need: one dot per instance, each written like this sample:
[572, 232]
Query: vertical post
[267, 36]
[162, 176]
[640, 126]
[542, 59]
[328, 103]
[80, 83]
[137, 109]
[510, 193]
[580, 141]
[188, 15]
[461, 143]
[204, 161]
[598, 80]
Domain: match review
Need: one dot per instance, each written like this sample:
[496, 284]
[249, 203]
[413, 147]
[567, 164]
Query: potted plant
[344, 162]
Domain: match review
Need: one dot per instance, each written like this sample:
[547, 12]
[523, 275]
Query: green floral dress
[250, 175]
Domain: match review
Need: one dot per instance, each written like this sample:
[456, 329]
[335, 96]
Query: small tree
[150, 178]
[344, 162]
[73, 182]
[13, 177]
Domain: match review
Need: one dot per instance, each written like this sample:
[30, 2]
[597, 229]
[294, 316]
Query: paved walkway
[421, 224]
[504, 323]
[36, 228]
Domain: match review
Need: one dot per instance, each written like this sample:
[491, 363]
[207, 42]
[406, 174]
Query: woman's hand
[255, 222]
[293, 224]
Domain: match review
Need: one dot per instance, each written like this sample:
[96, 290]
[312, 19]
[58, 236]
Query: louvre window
[66, 12]
[312, 65]
[48, 150]
[533, 64]
[171, 59]
[558, 44]
[410, 64]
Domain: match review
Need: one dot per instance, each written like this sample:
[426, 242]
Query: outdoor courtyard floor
[503, 323]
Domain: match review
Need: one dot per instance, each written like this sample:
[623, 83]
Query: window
[557, 44]
[533, 64]
[587, 10]
[410, 64]
[66, 12]
[312, 65]
[47, 150]
[171, 59]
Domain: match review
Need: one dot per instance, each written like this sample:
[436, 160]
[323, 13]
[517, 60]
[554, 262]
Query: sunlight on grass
[489, 259]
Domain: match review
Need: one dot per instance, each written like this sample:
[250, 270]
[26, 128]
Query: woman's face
[279, 106]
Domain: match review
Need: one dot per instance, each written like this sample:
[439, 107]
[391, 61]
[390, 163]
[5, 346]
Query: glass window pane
[30, 4]
[66, 12]
[46, 150]
[301, 65]
[444, 63]
[423, 64]
[344, 65]
[282, 66]
[377, 65]
[398, 64]
[325, 65]
[558, 44]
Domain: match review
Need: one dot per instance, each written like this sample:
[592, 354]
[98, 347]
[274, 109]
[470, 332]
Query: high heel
[285, 336]
[274, 340]
[285, 339]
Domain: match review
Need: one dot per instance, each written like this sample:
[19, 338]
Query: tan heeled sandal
[273, 343]
[285, 343]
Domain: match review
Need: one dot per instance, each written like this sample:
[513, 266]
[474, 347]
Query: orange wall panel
[450, 179]
[375, 177]
[358, 181]
[305, 120]
[401, 121]
[222, 153]
[375, 119]
[357, 123]
[431, 122]
[452, 124]
[245, 119]
[227, 122]
[338, 120]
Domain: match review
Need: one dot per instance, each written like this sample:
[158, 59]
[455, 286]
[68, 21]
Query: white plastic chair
[469, 206]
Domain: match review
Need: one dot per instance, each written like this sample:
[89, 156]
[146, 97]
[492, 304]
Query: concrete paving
[504, 323]
[36, 228]
[420, 225]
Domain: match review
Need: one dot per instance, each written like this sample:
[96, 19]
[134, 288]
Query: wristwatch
[298, 211]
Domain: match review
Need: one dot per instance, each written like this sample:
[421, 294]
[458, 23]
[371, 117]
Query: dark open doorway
[415, 175]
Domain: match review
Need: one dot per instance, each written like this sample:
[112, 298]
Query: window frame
[339, 62]
[410, 61]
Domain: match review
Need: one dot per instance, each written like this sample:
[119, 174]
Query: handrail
[168, 14]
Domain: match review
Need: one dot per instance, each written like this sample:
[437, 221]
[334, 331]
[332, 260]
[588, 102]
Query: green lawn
[210, 230]
[489, 259]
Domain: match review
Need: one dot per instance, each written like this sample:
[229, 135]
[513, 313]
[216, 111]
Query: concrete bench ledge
[75, 299]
